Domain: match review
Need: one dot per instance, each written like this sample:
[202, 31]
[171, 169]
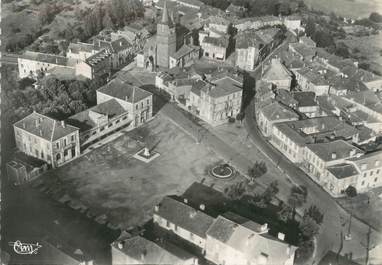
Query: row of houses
[82, 59]
[225, 239]
[214, 99]
[119, 105]
[324, 122]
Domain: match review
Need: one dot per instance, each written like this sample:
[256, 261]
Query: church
[172, 46]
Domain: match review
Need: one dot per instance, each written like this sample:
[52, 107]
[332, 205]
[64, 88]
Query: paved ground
[366, 206]
[109, 180]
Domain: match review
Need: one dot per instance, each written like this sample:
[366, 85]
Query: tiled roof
[184, 50]
[340, 148]
[275, 111]
[305, 98]
[343, 170]
[220, 42]
[370, 160]
[248, 38]
[276, 71]
[46, 58]
[367, 98]
[44, 127]
[81, 47]
[223, 87]
[148, 252]
[98, 57]
[197, 87]
[324, 128]
[120, 89]
[82, 120]
[185, 216]
[305, 51]
[247, 239]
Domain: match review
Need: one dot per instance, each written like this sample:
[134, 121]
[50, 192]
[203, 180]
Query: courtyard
[110, 182]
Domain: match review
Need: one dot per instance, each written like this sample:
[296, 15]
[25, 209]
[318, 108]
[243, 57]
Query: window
[117, 121]
[58, 156]
[136, 106]
[363, 183]
[65, 152]
[167, 223]
[72, 138]
[124, 117]
[148, 102]
[364, 175]
[58, 144]
[377, 171]
[65, 142]
[102, 128]
[141, 104]
[371, 173]
[375, 180]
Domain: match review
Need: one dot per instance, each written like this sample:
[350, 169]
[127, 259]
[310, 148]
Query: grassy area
[109, 180]
[367, 48]
[347, 8]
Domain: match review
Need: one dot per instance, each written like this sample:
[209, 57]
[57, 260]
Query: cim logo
[25, 248]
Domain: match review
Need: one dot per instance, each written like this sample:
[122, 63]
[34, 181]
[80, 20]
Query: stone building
[137, 102]
[47, 139]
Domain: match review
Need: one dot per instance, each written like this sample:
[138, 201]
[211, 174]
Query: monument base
[142, 155]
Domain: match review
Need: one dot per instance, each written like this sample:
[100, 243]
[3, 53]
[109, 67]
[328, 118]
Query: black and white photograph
[191, 132]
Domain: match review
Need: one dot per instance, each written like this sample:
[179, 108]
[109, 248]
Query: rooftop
[120, 89]
[309, 131]
[307, 52]
[84, 121]
[98, 57]
[368, 161]
[343, 170]
[142, 249]
[334, 150]
[45, 127]
[223, 87]
[185, 216]
[275, 111]
[81, 47]
[184, 50]
[250, 239]
[45, 57]
[305, 98]
[276, 71]
[220, 42]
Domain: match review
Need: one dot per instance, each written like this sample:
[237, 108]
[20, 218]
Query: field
[370, 48]
[347, 8]
[110, 181]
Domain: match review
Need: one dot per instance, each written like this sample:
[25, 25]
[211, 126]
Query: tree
[297, 197]
[236, 190]
[285, 213]
[257, 170]
[375, 17]
[310, 27]
[314, 212]
[309, 228]
[270, 192]
[351, 191]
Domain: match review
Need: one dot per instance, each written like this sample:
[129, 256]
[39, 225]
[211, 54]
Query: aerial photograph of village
[191, 132]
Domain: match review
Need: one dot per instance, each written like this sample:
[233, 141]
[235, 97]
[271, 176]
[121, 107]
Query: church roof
[166, 20]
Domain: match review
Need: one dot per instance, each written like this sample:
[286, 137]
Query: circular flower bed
[222, 171]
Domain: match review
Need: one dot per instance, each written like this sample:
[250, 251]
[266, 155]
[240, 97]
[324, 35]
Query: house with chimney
[47, 139]
[277, 74]
[139, 250]
[80, 51]
[218, 100]
[137, 102]
[182, 219]
[121, 50]
[96, 66]
[233, 239]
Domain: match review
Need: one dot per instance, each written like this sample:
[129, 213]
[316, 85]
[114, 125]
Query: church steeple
[166, 20]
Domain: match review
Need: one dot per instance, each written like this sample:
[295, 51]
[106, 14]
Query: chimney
[185, 200]
[281, 236]
[23, 125]
[143, 254]
[334, 155]
[63, 124]
[202, 207]
[120, 244]
[40, 132]
[156, 208]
